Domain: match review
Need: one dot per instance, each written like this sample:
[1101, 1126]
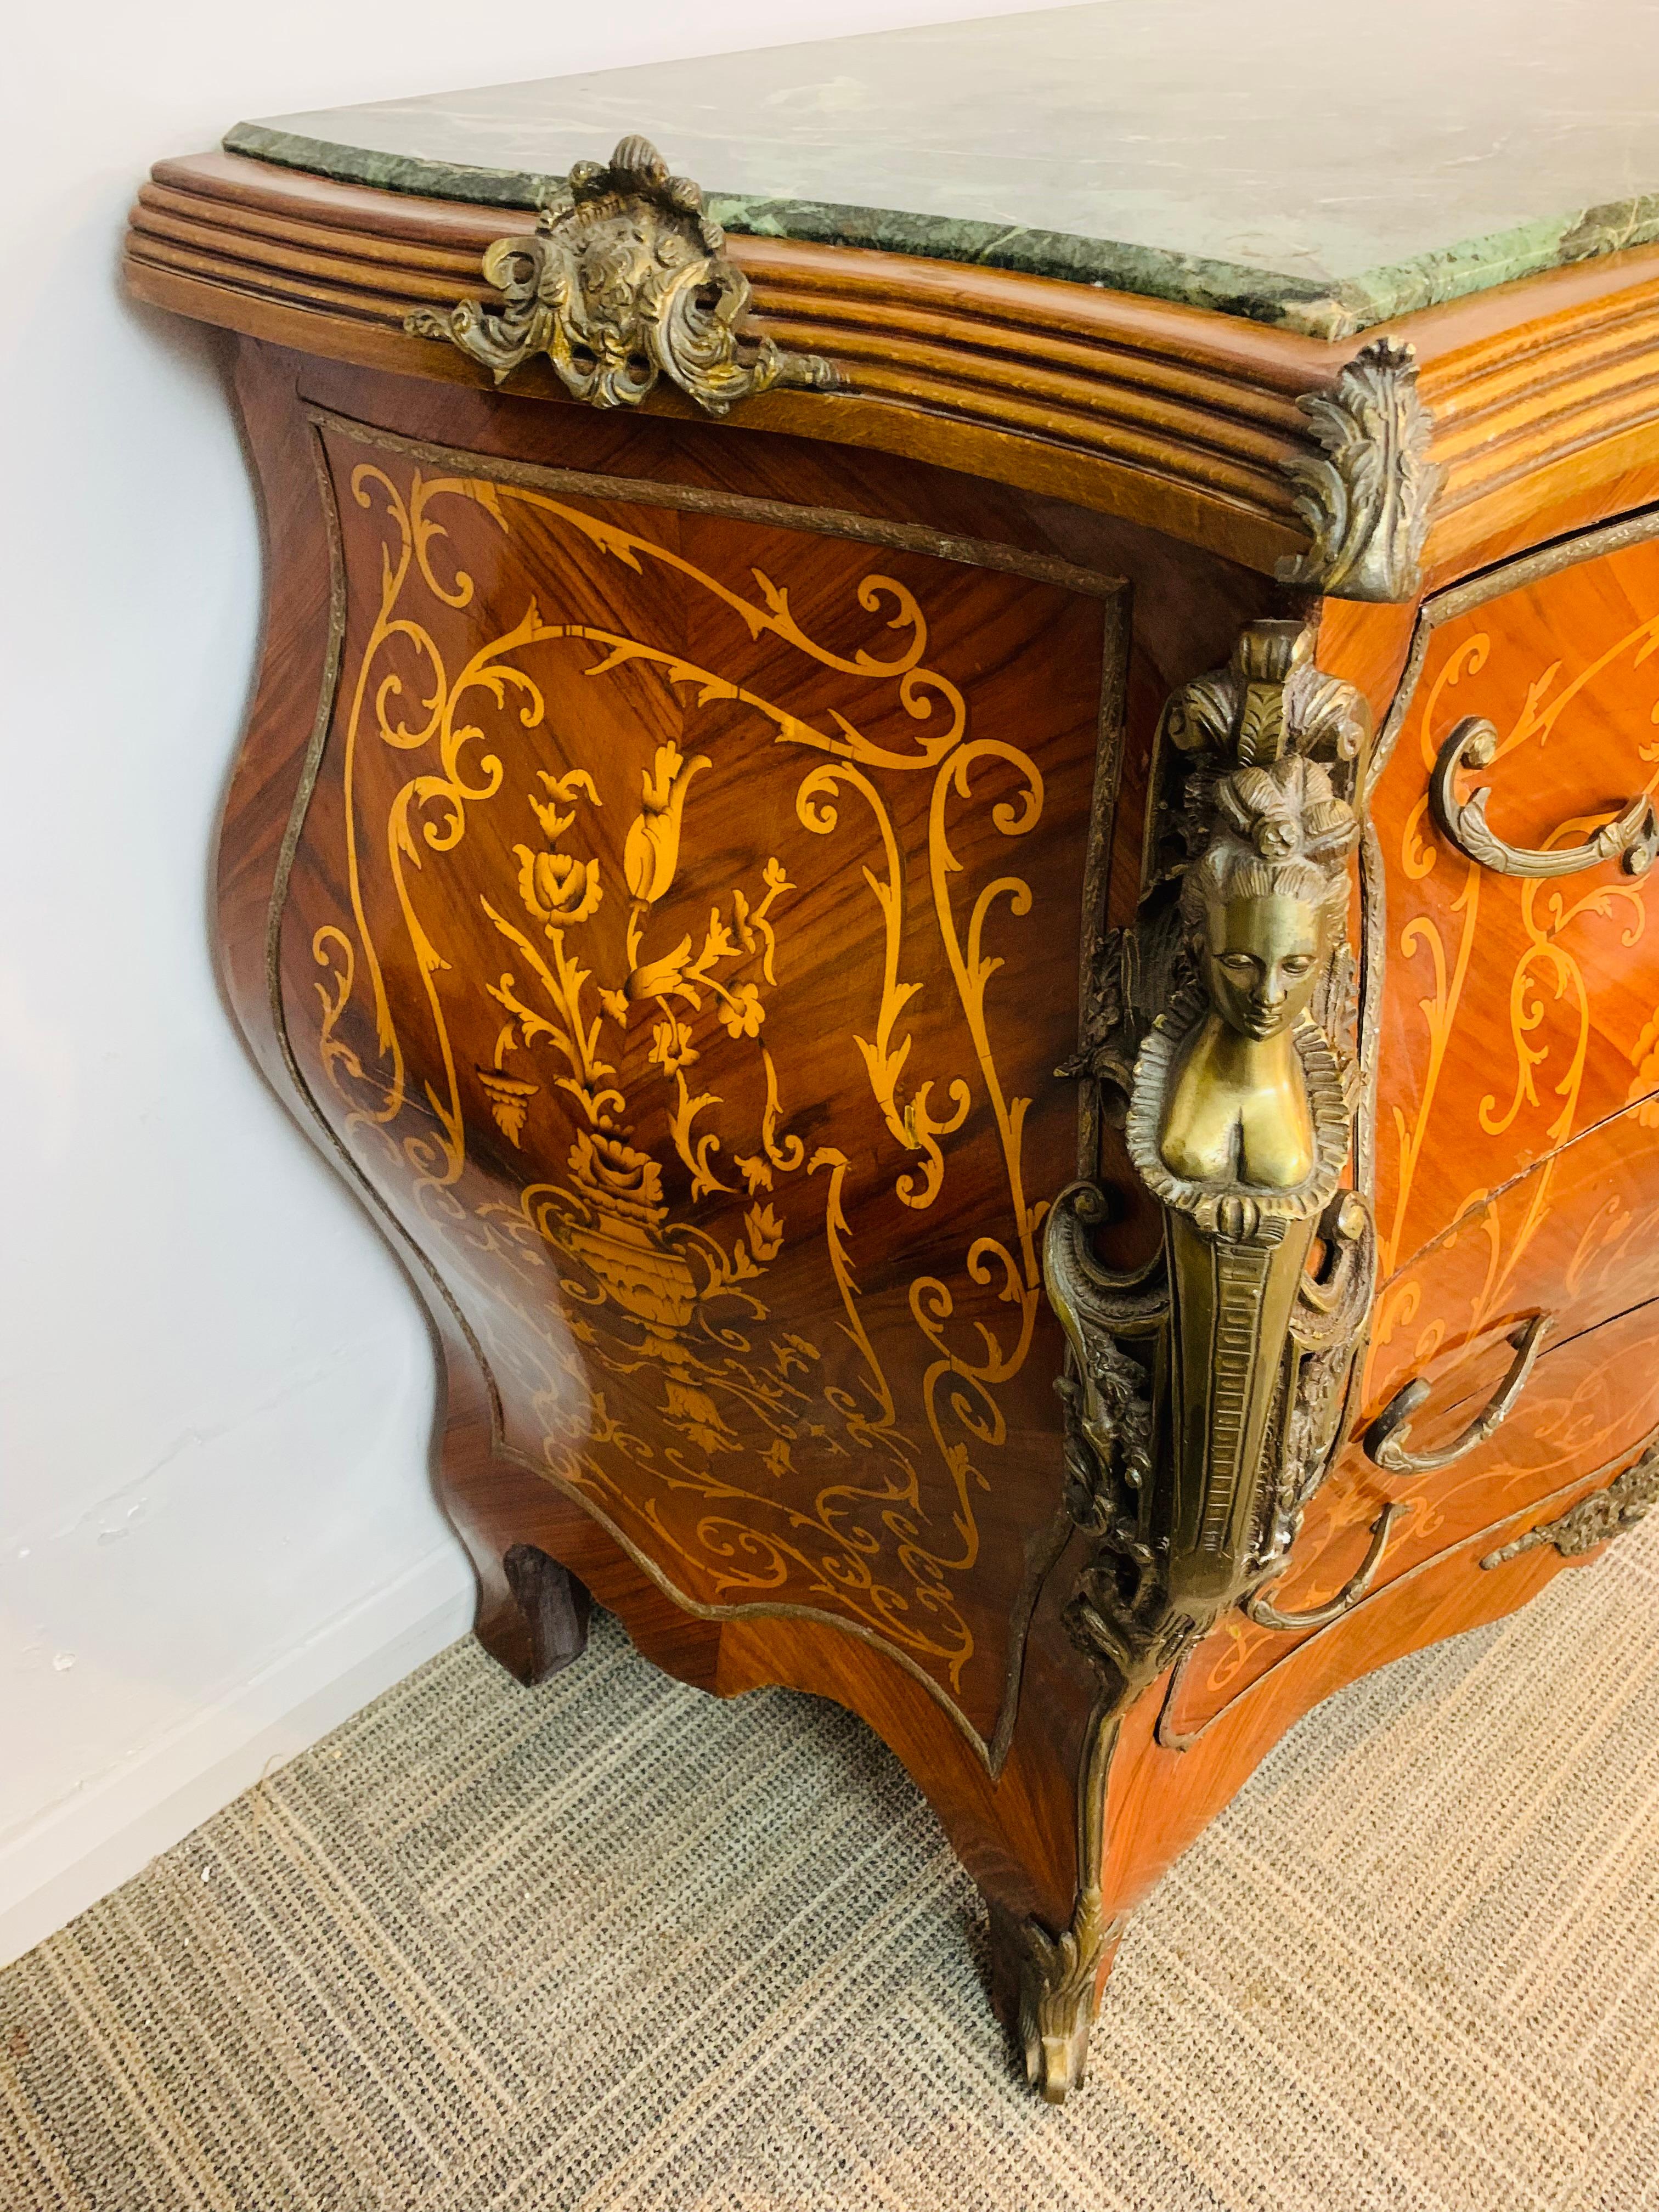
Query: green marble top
[1323, 167]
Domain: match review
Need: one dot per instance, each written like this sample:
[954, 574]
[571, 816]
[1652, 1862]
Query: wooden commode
[957, 835]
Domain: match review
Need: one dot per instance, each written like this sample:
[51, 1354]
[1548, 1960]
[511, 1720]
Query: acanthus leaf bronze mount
[625, 280]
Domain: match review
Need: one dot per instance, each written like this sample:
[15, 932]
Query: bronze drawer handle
[1385, 1439]
[1266, 1614]
[1632, 836]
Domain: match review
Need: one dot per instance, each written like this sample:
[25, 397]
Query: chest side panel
[682, 936]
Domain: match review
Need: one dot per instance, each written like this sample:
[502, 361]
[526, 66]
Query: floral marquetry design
[676, 899]
[1519, 1013]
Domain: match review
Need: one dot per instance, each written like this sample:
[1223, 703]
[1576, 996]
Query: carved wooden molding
[1177, 419]
[626, 282]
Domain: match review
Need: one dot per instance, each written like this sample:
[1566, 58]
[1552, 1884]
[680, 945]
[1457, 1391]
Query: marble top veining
[1320, 168]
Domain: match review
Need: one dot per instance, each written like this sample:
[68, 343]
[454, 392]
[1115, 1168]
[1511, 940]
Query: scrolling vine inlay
[688, 975]
[1521, 1012]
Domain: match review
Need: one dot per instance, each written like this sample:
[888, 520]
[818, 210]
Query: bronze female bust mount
[1262, 909]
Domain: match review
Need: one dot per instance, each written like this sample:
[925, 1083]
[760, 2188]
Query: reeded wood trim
[1167, 416]
[1542, 391]
[1546, 407]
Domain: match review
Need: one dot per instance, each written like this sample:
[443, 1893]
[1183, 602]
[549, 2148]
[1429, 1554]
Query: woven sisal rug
[611, 1944]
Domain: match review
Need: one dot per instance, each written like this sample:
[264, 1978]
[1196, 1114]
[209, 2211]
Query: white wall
[216, 1534]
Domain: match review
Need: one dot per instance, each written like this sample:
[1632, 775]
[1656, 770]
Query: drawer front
[682, 937]
[1517, 1012]
[1578, 1239]
[1575, 1240]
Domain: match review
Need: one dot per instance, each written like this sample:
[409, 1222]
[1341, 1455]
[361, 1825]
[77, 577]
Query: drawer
[1589, 1404]
[1517, 1013]
[1576, 1239]
[1573, 1238]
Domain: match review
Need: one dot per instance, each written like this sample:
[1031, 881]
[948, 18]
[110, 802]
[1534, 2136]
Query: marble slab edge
[1330, 311]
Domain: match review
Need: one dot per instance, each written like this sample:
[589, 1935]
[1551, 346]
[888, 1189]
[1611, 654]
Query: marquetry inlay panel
[681, 938]
[1518, 1013]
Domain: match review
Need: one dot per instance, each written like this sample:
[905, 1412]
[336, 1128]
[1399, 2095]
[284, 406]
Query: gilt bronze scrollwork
[1206, 1393]
[1631, 837]
[1629, 1497]
[626, 281]
[1204, 1397]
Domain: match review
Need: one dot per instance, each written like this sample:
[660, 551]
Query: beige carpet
[611, 1944]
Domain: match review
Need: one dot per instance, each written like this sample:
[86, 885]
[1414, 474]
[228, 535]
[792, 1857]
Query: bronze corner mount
[1365, 496]
[625, 280]
[1206, 1395]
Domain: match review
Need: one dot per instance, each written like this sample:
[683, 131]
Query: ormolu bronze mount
[624, 280]
[1206, 1393]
